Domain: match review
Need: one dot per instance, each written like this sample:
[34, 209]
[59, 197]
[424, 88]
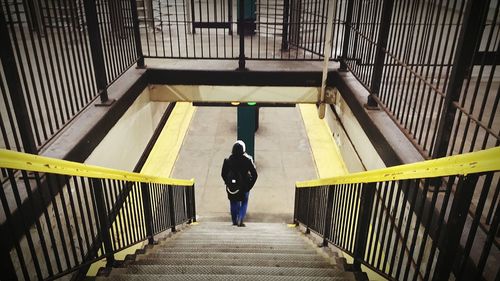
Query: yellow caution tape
[23, 161]
[463, 164]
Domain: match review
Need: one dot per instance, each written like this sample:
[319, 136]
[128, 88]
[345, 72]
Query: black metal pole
[347, 35]
[137, 34]
[286, 13]
[13, 80]
[363, 223]
[474, 19]
[450, 240]
[193, 202]
[96, 48]
[241, 29]
[148, 214]
[171, 207]
[328, 217]
[104, 226]
[383, 34]
[296, 207]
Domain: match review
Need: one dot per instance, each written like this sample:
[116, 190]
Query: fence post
[9, 65]
[383, 34]
[347, 35]
[308, 211]
[328, 217]
[171, 207]
[241, 29]
[286, 13]
[363, 223]
[473, 20]
[96, 49]
[137, 34]
[296, 207]
[148, 213]
[193, 202]
[104, 226]
[452, 232]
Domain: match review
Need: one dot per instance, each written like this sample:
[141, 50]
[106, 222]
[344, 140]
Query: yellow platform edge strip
[29, 162]
[326, 154]
[475, 162]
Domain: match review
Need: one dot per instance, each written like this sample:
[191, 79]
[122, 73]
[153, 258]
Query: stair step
[236, 256]
[185, 277]
[234, 250]
[231, 270]
[233, 243]
[223, 245]
[233, 262]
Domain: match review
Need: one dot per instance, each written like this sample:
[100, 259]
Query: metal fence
[57, 57]
[432, 66]
[418, 228]
[82, 219]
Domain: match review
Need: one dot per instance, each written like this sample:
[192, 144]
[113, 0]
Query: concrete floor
[282, 153]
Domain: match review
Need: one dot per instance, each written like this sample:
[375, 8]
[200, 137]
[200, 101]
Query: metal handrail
[410, 222]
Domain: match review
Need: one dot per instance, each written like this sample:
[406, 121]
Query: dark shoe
[235, 224]
[241, 224]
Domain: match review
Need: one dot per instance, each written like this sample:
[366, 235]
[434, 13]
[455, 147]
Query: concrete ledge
[391, 144]
[79, 137]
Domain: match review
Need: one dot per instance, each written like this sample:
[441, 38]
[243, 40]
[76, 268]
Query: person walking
[239, 175]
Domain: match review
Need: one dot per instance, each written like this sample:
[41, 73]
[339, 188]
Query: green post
[246, 127]
[249, 16]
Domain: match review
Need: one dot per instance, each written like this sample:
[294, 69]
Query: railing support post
[9, 65]
[286, 13]
[347, 35]
[137, 34]
[193, 203]
[96, 49]
[308, 211]
[450, 241]
[296, 208]
[474, 19]
[241, 29]
[363, 223]
[104, 226]
[328, 217]
[171, 207]
[148, 218]
[383, 34]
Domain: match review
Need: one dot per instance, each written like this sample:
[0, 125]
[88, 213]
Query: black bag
[234, 183]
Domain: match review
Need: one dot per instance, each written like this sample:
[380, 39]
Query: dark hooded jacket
[242, 163]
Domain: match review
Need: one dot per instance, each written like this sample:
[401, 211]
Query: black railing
[415, 227]
[432, 67]
[57, 57]
[84, 217]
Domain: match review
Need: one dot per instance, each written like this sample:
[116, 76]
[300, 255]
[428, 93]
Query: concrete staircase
[220, 251]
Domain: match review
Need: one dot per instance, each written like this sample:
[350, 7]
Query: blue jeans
[239, 209]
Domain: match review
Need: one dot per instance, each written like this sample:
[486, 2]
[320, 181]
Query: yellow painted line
[463, 164]
[23, 161]
[329, 162]
[164, 154]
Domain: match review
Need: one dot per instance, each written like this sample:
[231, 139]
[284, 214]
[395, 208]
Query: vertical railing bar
[78, 188]
[169, 32]
[419, 214]
[136, 212]
[455, 226]
[492, 234]
[172, 208]
[94, 34]
[98, 189]
[165, 210]
[383, 260]
[352, 243]
[9, 108]
[116, 53]
[88, 56]
[194, 30]
[200, 10]
[40, 80]
[367, 196]
[126, 189]
[68, 100]
[351, 209]
[15, 90]
[494, 199]
[75, 216]
[7, 265]
[372, 224]
[380, 231]
[53, 181]
[413, 190]
[475, 223]
[403, 188]
[177, 27]
[284, 35]
[193, 194]
[71, 59]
